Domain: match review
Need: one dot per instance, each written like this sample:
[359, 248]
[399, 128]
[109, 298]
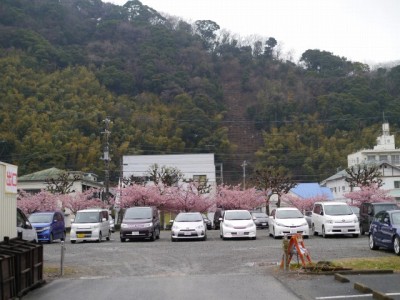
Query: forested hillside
[173, 87]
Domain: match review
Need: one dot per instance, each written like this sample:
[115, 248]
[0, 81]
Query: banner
[11, 179]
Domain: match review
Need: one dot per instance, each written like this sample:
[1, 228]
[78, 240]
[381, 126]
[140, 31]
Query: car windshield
[237, 215]
[396, 218]
[138, 213]
[355, 209]
[189, 217]
[41, 218]
[260, 215]
[380, 207]
[288, 214]
[337, 210]
[87, 217]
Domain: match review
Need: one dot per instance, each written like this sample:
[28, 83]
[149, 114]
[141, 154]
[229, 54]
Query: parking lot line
[344, 297]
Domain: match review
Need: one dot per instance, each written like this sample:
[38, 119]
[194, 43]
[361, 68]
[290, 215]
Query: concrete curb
[380, 296]
[362, 288]
[341, 278]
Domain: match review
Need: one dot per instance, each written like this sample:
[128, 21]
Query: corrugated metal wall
[8, 208]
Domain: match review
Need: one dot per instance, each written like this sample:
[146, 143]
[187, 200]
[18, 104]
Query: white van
[25, 230]
[330, 218]
[90, 225]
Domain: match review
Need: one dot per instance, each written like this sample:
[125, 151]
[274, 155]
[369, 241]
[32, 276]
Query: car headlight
[329, 221]
[304, 223]
[147, 224]
[227, 224]
[46, 228]
[96, 226]
[200, 227]
[174, 227]
[123, 225]
[280, 224]
[355, 220]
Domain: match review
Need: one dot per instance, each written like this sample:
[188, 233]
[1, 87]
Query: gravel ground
[214, 256]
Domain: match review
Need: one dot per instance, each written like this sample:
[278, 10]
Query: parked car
[286, 221]
[330, 218]
[237, 224]
[49, 225]
[260, 219]
[356, 211]
[385, 231]
[207, 221]
[140, 222]
[219, 213]
[188, 225]
[369, 210]
[90, 225]
[25, 229]
[307, 215]
[112, 223]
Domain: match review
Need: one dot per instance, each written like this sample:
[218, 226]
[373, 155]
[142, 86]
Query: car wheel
[123, 240]
[100, 237]
[273, 233]
[205, 238]
[323, 233]
[355, 235]
[73, 242]
[372, 244]
[108, 237]
[51, 238]
[396, 245]
[153, 236]
[313, 230]
[172, 239]
[158, 234]
[254, 238]
[305, 236]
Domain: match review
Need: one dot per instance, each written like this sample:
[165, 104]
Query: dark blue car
[385, 231]
[49, 225]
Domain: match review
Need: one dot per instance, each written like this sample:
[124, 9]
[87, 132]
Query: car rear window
[237, 215]
[41, 218]
[396, 218]
[381, 207]
[337, 210]
[138, 213]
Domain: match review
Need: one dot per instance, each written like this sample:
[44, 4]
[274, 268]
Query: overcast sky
[361, 30]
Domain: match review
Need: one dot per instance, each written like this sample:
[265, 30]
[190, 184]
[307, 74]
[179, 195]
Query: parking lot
[206, 260]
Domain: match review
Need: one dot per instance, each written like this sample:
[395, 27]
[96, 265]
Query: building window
[383, 158]
[395, 159]
[397, 184]
[371, 158]
[343, 188]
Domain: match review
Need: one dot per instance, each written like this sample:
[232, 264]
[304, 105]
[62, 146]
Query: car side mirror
[321, 213]
[27, 225]
[386, 221]
[72, 220]
[221, 220]
[171, 221]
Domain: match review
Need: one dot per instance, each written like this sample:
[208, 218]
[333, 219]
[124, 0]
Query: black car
[207, 221]
[219, 213]
[260, 219]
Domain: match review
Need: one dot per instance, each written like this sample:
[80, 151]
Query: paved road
[215, 269]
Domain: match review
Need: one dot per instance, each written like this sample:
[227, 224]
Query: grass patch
[373, 263]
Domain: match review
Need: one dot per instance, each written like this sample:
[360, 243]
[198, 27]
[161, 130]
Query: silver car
[188, 225]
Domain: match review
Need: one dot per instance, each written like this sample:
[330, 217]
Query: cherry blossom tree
[370, 193]
[139, 195]
[82, 200]
[232, 197]
[42, 201]
[303, 204]
[187, 197]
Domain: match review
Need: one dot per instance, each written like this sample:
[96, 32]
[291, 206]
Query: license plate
[293, 231]
[263, 224]
[187, 233]
[135, 232]
[80, 235]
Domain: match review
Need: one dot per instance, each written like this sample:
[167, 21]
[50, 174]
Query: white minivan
[90, 225]
[331, 218]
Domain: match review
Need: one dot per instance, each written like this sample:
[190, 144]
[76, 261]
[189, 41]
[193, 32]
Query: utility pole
[244, 174]
[106, 157]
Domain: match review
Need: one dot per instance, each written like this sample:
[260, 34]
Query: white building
[384, 154]
[197, 167]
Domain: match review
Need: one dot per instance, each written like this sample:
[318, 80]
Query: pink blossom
[302, 204]
[232, 197]
[368, 194]
[42, 201]
[82, 200]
